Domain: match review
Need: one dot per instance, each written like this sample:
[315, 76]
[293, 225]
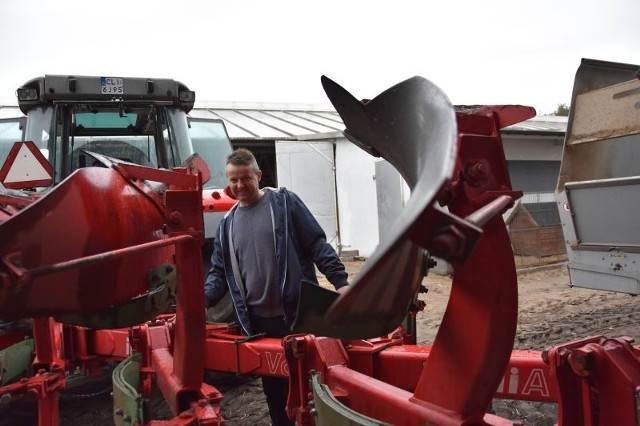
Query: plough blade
[413, 126]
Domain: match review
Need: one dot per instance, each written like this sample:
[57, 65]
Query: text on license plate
[111, 85]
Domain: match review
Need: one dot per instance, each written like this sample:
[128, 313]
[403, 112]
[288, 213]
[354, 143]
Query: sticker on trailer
[112, 85]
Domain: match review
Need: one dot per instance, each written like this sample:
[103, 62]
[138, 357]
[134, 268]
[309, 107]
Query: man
[264, 247]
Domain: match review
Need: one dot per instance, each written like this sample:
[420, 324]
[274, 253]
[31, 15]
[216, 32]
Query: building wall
[392, 195]
[357, 198]
[532, 147]
[533, 161]
[308, 169]
[534, 176]
[538, 242]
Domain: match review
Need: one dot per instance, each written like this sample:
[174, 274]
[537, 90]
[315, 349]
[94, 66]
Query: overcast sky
[478, 52]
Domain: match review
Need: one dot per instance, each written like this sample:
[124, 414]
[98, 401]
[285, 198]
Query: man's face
[243, 182]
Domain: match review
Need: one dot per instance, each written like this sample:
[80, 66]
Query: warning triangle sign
[26, 167]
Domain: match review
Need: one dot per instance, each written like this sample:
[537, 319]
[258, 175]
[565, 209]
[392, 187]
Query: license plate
[111, 85]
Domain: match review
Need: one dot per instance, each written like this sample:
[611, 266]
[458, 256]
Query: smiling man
[265, 246]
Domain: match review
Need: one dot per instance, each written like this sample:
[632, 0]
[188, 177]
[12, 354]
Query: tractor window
[40, 128]
[127, 135]
[106, 120]
[10, 132]
[176, 137]
[210, 141]
[133, 149]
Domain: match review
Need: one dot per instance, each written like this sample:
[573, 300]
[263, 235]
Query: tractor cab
[70, 119]
[137, 120]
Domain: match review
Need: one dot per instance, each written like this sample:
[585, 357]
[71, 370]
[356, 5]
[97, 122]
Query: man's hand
[342, 289]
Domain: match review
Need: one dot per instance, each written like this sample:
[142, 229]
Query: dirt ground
[550, 312]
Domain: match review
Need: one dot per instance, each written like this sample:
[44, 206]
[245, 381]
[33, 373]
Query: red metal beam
[188, 351]
[599, 381]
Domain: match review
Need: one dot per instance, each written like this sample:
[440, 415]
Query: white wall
[307, 168]
[533, 148]
[391, 198]
[357, 200]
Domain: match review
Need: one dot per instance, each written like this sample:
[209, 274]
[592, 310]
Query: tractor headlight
[27, 94]
[188, 96]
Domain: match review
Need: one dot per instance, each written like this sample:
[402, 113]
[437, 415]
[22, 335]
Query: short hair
[243, 157]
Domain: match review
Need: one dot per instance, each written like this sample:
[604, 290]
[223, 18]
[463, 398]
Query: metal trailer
[598, 191]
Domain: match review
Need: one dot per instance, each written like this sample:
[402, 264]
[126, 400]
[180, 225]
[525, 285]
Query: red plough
[127, 287]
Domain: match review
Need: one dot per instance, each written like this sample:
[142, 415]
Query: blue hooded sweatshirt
[298, 238]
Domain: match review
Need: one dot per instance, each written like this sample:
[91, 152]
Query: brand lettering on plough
[277, 363]
[535, 383]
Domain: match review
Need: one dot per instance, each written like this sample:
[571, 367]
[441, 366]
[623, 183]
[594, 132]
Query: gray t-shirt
[254, 243]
